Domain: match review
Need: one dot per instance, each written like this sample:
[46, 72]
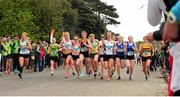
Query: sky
[133, 18]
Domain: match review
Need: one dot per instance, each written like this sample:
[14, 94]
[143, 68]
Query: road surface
[42, 84]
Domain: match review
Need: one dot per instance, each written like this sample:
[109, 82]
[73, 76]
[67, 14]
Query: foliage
[39, 17]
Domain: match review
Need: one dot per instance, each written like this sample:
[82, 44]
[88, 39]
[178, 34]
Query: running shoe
[52, 74]
[148, 73]
[127, 71]
[20, 76]
[95, 75]
[146, 78]
[102, 78]
[119, 78]
[66, 77]
[110, 76]
[73, 74]
[81, 74]
[130, 78]
[108, 79]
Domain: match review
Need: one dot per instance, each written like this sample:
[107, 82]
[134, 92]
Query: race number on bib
[83, 49]
[120, 50]
[147, 53]
[130, 53]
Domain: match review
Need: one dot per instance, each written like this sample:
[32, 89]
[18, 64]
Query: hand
[170, 31]
[84, 43]
[149, 36]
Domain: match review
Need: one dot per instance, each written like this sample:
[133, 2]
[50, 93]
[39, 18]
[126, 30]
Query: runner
[53, 51]
[101, 56]
[75, 56]
[85, 45]
[94, 53]
[146, 50]
[130, 60]
[66, 45]
[25, 47]
[114, 55]
[120, 55]
[109, 54]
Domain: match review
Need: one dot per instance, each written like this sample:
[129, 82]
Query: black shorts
[92, 55]
[130, 57]
[75, 57]
[114, 57]
[100, 56]
[120, 57]
[107, 57]
[66, 55]
[54, 58]
[86, 54]
[144, 59]
[24, 55]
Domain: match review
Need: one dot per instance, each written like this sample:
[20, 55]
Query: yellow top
[146, 49]
[94, 48]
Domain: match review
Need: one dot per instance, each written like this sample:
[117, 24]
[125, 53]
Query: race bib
[76, 48]
[83, 49]
[54, 52]
[109, 51]
[120, 50]
[147, 53]
[130, 53]
[67, 46]
[23, 50]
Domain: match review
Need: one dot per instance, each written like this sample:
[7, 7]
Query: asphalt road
[42, 84]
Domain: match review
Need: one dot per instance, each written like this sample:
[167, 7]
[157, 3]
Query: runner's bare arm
[29, 45]
[125, 49]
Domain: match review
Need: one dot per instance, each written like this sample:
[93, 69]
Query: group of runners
[109, 53]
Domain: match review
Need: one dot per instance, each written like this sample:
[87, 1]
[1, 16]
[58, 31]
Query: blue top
[130, 50]
[120, 49]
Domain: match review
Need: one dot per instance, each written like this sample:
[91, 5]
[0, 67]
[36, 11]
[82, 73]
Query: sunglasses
[75, 39]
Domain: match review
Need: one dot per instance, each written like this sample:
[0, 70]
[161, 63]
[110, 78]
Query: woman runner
[130, 59]
[25, 47]
[101, 56]
[146, 50]
[120, 56]
[66, 45]
[53, 52]
[75, 56]
[85, 45]
[94, 53]
[109, 54]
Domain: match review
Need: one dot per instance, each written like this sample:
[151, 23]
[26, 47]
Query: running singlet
[109, 46]
[130, 50]
[146, 50]
[94, 48]
[76, 49]
[101, 49]
[54, 50]
[23, 47]
[67, 45]
[83, 47]
[120, 49]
